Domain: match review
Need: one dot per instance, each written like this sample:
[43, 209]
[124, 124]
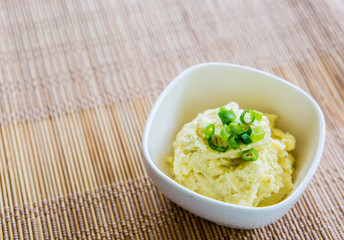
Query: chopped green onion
[242, 116]
[217, 148]
[249, 130]
[236, 128]
[226, 116]
[234, 142]
[246, 138]
[225, 132]
[257, 134]
[258, 115]
[209, 131]
[222, 109]
[250, 155]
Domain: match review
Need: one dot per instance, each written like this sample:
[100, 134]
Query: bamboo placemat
[78, 79]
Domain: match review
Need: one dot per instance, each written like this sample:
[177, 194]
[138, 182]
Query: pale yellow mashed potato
[224, 175]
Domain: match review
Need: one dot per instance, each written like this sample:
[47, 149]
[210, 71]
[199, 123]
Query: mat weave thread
[78, 79]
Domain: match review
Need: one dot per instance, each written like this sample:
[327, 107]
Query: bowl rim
[292, 198]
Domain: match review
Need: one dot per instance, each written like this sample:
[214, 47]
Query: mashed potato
[225, 176]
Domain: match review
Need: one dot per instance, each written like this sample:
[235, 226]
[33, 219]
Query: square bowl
[211, 85]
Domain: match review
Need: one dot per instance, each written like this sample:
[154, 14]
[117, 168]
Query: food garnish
[234, 132]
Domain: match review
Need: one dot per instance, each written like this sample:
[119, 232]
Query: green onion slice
[242, 116]
[258, 115]
[222, 109]
[217, 148]
[209, 131]
[257, 134]
[225, 132]
[226, 116]
[236, 128]
[250, 155]
[246, 138]
[249, 130]
[234, 142]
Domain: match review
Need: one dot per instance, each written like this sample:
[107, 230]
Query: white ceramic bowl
[210, 85]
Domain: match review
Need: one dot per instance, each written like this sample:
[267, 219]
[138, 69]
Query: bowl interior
[212, 85]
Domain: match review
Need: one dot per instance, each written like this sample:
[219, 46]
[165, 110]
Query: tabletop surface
[77, 82]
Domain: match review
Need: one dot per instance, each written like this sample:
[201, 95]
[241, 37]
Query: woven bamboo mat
[78, 79]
